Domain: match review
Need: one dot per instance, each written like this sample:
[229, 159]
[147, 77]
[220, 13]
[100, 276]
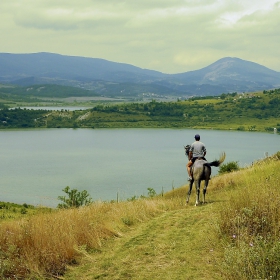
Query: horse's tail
[217, 163]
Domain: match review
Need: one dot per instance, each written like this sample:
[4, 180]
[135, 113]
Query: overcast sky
[170, 36]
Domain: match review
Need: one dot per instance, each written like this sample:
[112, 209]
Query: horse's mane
[187, 149]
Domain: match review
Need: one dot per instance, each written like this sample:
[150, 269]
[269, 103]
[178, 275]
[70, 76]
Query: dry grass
[246, 230]
[257, 199]
[173, 245]
[249, 223]
[44, 244]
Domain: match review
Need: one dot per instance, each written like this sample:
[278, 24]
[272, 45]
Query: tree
[223, 96]
[74, 198]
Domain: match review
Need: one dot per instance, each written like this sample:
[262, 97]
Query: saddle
[203, 177]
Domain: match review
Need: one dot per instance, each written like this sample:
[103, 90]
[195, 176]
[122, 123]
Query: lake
[37, 164]
[55, 108]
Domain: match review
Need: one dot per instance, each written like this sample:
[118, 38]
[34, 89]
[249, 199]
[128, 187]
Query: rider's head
[197, 137]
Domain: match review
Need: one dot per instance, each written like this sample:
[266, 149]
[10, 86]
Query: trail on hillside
[175, 245]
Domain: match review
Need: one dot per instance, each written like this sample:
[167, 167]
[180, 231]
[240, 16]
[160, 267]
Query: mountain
[61, 67]
[46, 90]
[119, 79]
[234, 73]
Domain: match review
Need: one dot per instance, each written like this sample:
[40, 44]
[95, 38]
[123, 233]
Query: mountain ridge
[228, 74]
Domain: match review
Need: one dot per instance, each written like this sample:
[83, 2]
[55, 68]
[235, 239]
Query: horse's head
[187, 149]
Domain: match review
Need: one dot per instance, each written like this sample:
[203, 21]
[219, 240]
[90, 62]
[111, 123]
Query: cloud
[61, 15]
[166, 35]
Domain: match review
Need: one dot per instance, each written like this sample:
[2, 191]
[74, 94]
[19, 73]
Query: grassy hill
[235, 235]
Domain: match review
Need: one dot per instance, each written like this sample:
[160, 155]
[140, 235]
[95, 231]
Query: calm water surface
[55, 108]
[37, 164]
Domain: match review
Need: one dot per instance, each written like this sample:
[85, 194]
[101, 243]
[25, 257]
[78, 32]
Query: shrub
[23, 211]
[74, 199]
[277, 155]
[151, 192]
[229, 167]
[241, 128]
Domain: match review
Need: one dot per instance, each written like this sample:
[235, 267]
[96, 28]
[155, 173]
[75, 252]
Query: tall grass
[249, 223]
[42, 245]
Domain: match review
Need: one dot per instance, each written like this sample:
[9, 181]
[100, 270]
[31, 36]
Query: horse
[201, 170]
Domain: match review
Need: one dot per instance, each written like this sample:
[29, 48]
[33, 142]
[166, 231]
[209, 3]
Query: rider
[197, 150]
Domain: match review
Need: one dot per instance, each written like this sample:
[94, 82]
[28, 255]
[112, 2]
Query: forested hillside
[56, 91]
[255, 111]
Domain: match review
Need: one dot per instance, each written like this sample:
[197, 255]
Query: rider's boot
[190, 175]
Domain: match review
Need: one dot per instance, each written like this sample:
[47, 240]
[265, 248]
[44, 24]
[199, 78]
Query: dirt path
[175, 245]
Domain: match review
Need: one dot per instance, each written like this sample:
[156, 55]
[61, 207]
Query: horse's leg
[197, 186]
[189, 192]
[205, 189]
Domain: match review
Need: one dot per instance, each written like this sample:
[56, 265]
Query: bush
[229, 167]
[277, 155]
[151, 192]
[74, 199]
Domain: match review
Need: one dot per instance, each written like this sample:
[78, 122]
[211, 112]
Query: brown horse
[201, 171]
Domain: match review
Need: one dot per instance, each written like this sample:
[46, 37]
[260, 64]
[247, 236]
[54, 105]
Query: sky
[170, 36]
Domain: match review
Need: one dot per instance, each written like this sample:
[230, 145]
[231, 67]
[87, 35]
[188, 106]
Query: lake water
[37, 164]
[55, 108]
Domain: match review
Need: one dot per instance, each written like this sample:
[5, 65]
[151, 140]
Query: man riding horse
[196, 151]
[201, 168]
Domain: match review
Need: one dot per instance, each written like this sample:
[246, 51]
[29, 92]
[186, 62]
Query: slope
[230, 70]
[174, 245]
[56, 66]
[234, 236]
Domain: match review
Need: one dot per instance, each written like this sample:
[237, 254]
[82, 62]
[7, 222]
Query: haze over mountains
[118, 79]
